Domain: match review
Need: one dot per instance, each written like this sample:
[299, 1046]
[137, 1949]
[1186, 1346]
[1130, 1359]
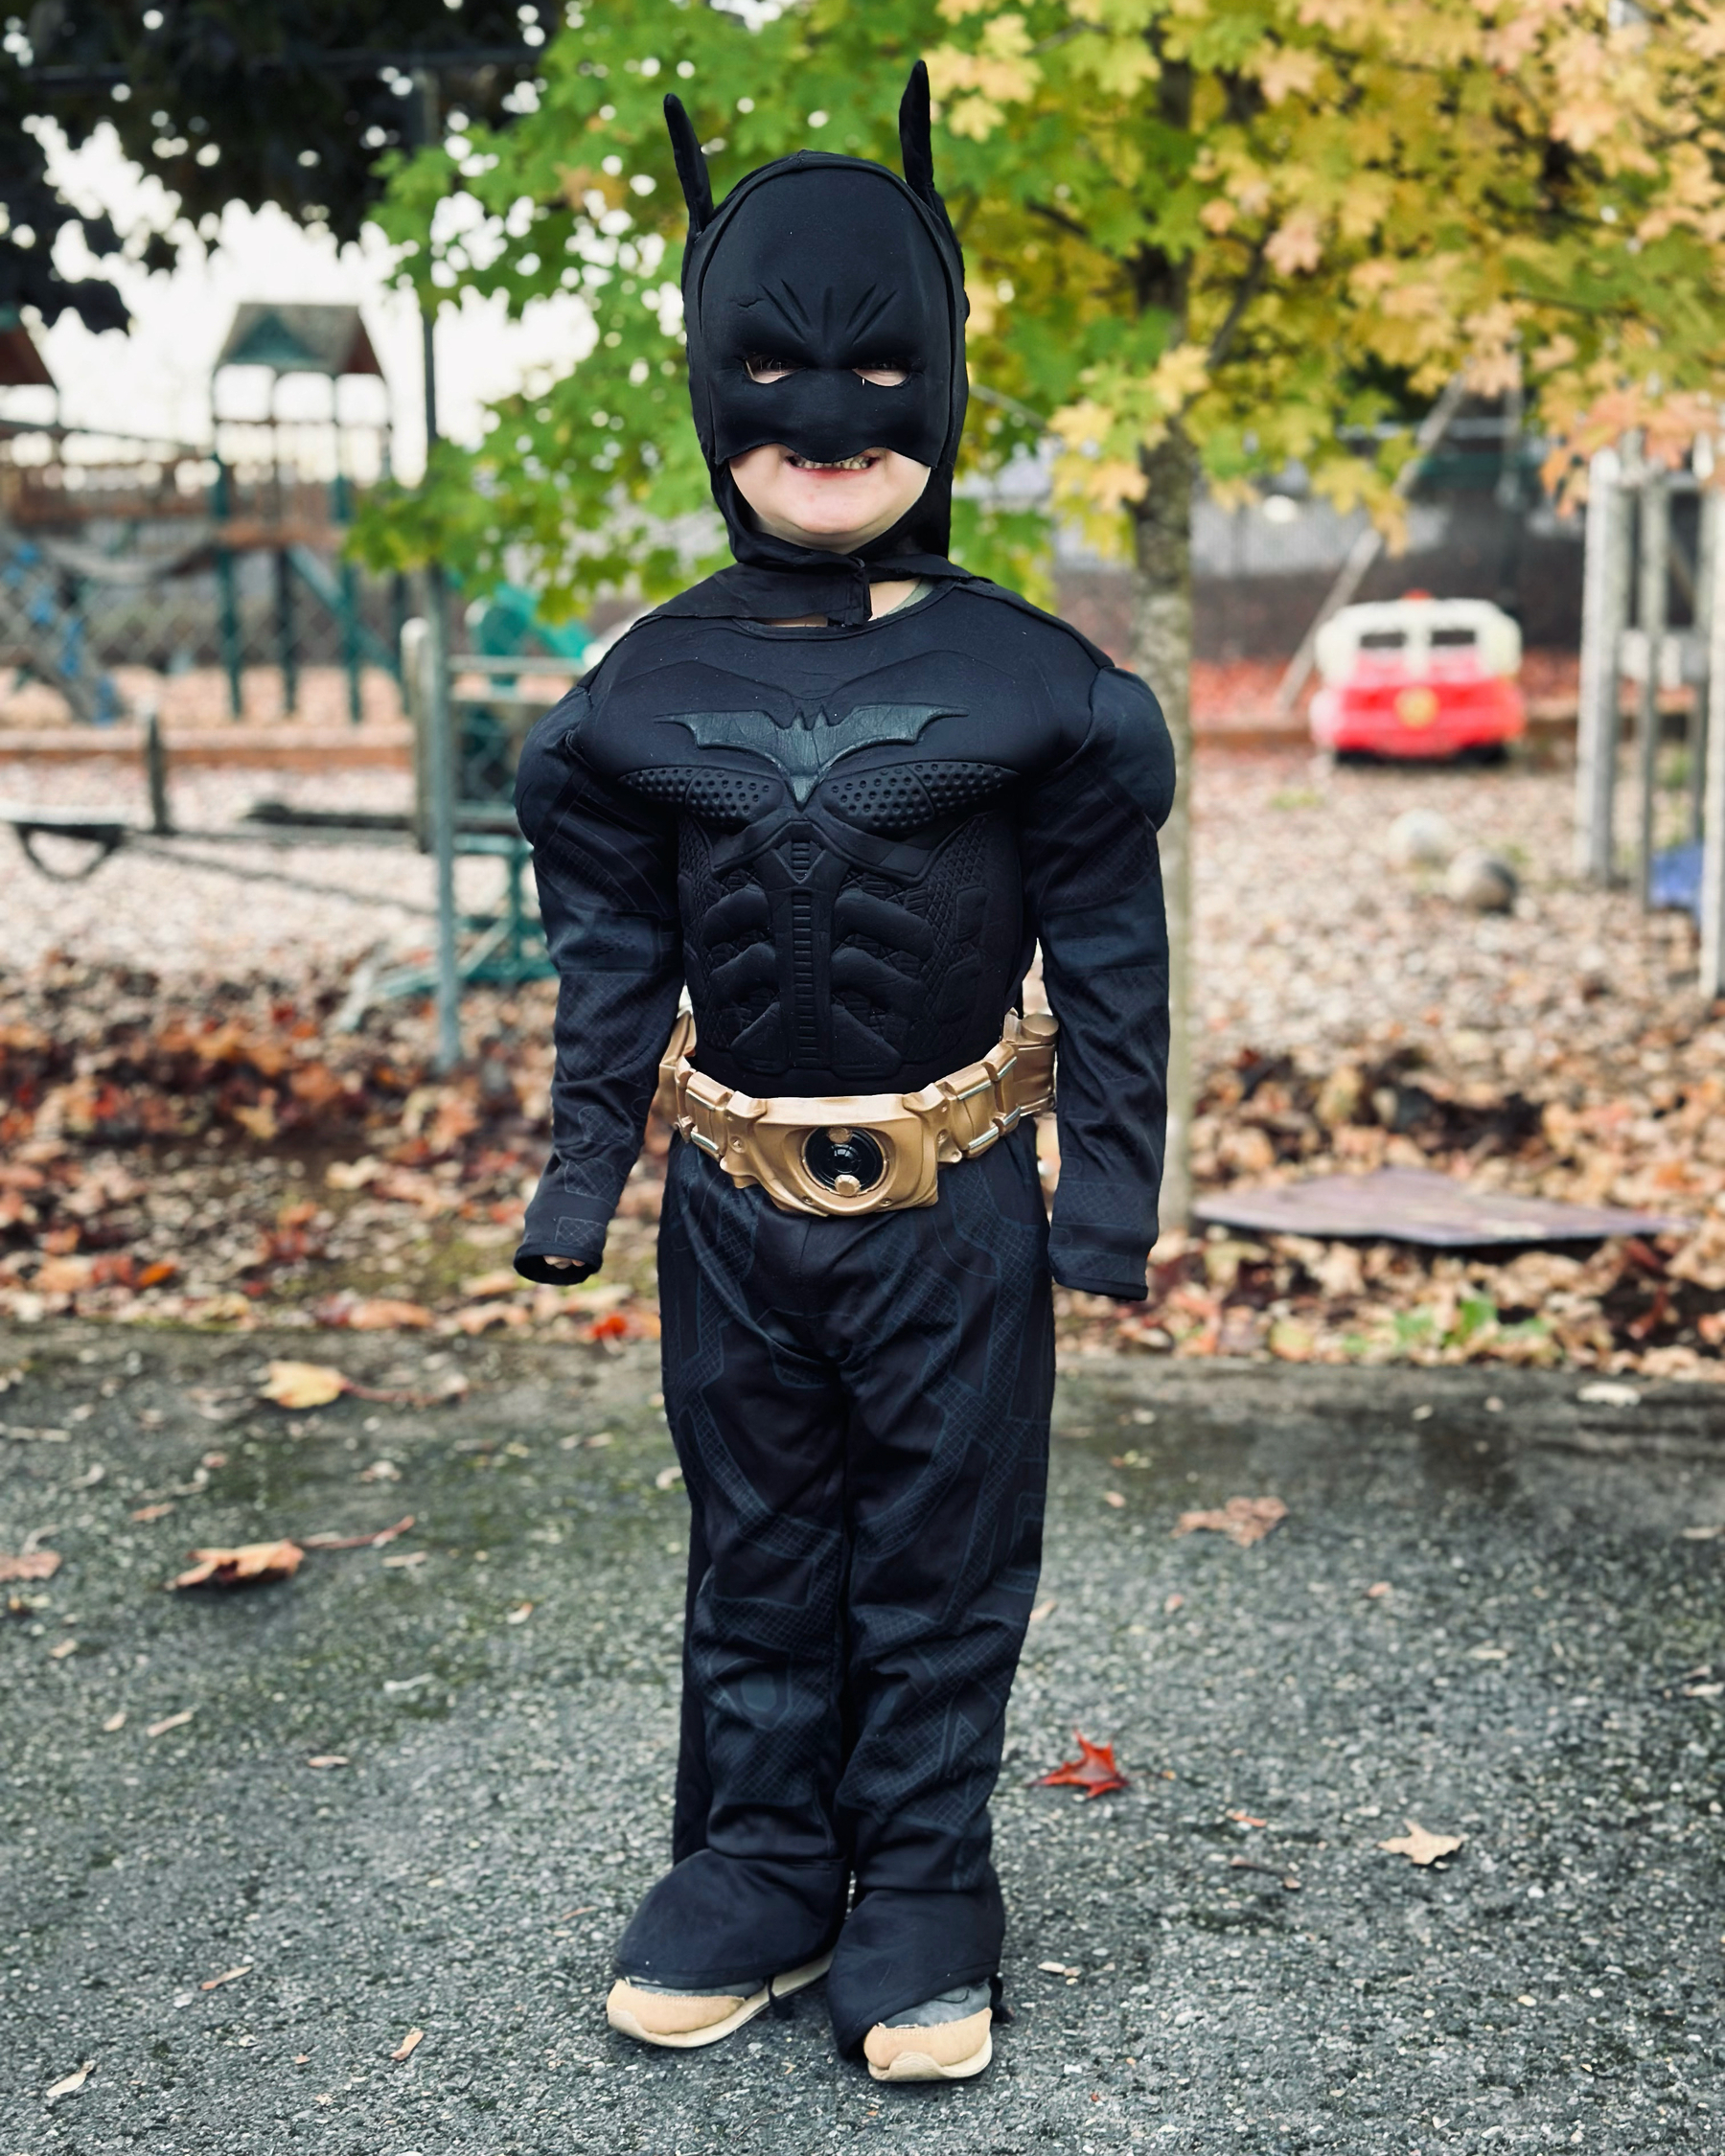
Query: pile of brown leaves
[1613, 1135]
[218, 1154]
[212, 1156]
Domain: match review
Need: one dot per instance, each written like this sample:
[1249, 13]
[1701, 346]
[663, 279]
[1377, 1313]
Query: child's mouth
[866, 461]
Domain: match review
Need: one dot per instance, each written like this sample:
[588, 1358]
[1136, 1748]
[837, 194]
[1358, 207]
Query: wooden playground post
[1706, 572]
[1604, 612]
[1652, 605]
[232, 650]
[1711, 746]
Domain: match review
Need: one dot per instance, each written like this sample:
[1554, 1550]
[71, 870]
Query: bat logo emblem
[806, 751]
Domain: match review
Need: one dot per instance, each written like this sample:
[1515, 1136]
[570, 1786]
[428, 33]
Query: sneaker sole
[917, 2066]
[779, 1988]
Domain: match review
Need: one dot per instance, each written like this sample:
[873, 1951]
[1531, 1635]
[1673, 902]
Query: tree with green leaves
[1204, 238]
[294, 102]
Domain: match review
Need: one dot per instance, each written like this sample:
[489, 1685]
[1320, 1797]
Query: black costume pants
[861, 1408]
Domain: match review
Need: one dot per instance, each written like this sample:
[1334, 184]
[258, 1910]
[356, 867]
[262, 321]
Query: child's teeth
[837, 463]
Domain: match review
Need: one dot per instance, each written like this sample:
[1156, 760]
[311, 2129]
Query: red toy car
[1418, 677]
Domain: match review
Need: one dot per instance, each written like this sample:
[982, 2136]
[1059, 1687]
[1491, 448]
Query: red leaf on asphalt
[1093, 1771]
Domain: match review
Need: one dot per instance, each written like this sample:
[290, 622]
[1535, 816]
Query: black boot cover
[899, 1949]
[737, 1921]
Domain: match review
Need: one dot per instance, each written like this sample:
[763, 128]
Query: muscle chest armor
[846, 814]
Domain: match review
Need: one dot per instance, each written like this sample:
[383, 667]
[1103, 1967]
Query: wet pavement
[1482, 1613]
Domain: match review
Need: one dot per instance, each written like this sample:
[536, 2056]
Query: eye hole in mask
[882, 374]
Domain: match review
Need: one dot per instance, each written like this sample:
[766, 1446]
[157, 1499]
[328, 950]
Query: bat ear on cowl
[916, 148]
[691, 165]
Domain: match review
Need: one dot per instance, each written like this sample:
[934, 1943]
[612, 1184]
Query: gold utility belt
[859, 1152]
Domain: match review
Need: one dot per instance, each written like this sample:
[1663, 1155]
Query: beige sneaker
[949, 2051]
[683, 2022]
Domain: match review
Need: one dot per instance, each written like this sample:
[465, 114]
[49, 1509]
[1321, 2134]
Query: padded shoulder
[1140, 752]
[543, 768]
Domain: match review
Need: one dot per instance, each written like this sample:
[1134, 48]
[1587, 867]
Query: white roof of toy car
[1409, 632]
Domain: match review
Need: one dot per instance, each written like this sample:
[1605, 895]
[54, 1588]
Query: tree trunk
[1161, 652]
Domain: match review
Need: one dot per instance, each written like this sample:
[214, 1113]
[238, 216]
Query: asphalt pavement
[1492, 1610]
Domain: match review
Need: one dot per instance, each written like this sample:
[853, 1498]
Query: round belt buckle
[849, 1163]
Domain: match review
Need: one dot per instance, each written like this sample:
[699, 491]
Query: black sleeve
[605, 866]
[1094, 885]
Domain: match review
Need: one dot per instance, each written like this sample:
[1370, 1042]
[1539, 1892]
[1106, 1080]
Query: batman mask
[825, 265]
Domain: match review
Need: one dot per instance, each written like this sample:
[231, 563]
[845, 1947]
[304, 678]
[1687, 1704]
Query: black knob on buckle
[848, 1162]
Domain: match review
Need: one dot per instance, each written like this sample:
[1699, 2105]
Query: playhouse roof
[21, 365]
[294, 339]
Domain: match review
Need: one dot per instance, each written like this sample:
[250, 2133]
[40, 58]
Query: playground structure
[224, 562]
[1654, 535]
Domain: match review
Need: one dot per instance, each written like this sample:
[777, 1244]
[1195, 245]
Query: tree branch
[1245, 293]
[1064, 223]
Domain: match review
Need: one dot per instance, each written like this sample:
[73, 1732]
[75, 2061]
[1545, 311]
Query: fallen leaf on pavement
[357, 1542]
[383, 1313]
[247, 1565]
[666, 1476]
[477, 1318]
[1093, 1771]
[228, 1976]
[409, 2044]
[1171, 1603]
[519, 1614]
[1058, 1969]
[33, 1564]
[1378, 1589]
[484, 1285]
[303, 1385]
[115, 1722]
[1243, 1520]
[1270, 1870]
[72, 2083]
[329, 1759]
[170, 1722]
[149, 1512]
[66, 1647]
[1043, 1610]
[1421, 1847]
[381, 1471]
[1115, 1498]
[408, 1559]
[1247, 1819]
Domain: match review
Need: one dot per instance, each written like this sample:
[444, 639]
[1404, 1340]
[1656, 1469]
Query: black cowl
[829, 264]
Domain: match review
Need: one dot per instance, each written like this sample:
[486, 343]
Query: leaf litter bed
[182, 1145]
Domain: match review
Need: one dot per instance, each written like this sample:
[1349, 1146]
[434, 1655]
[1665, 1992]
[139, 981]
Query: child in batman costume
[846, 831]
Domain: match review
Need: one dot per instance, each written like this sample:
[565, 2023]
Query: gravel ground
[1309, 942]
[141, 908]
[1482, 1613]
